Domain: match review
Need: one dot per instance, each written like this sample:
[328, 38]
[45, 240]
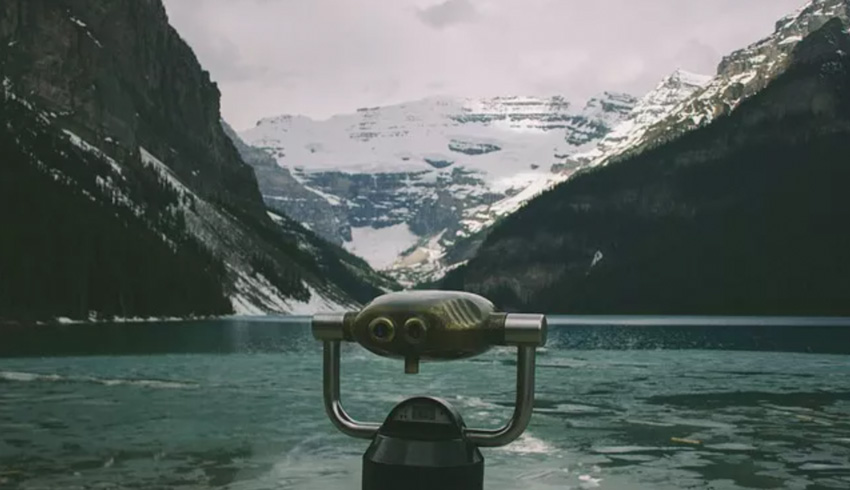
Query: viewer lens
[382, 330]
[415, 330]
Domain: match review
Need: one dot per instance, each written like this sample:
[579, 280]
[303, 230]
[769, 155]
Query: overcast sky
[322, 57]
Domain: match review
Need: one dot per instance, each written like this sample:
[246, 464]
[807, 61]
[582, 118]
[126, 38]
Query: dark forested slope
[745, 216]
[70, 250]
[122, 194]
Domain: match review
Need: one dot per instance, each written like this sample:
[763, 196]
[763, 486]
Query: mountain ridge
[741, 216]
[740, 75]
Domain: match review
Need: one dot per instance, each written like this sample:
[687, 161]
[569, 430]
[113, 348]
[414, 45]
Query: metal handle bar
[521, 330]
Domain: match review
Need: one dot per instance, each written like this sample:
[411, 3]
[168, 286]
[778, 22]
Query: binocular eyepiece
[430, 325]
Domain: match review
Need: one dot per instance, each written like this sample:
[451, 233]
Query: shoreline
[64, 321]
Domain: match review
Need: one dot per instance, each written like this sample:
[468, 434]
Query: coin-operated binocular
[423, 443]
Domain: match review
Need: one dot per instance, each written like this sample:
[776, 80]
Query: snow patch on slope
[316, 304]
[419, 264]
[652, 108]
[252, 293]
[165, 172]
[513, 203]
[84, 145]
[255, 295]
[88, 32]
[381, 247]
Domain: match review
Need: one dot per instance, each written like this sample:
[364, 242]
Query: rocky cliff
[118, 70]
[114, 80]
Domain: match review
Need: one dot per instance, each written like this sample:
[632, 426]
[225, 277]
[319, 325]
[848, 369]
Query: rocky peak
[746, 71]
[810, 17]
[672, 90]
[697, 100]
[682, 77]
[649, 110]
[762, 60]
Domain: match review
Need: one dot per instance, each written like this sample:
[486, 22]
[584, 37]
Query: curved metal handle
[522, 410]
[333, 405]
[525, 331]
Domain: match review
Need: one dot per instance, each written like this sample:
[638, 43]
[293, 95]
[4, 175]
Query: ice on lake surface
[609, 419]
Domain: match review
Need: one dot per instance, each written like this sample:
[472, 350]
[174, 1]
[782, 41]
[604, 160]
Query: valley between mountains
[125, 194]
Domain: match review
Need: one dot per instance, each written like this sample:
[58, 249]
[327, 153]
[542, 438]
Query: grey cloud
[697, 56]
[448, 13]
[324, 57]
[223, 59]
[436, 86]
[218, 54]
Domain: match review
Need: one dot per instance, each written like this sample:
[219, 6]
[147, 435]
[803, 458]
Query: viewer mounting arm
[431, 325]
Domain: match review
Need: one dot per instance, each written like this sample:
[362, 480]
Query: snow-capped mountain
[433, 259]
[740, 75]
[408, 179]
[415, 194]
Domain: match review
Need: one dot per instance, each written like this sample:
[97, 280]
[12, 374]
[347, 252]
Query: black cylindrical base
[398, 464]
